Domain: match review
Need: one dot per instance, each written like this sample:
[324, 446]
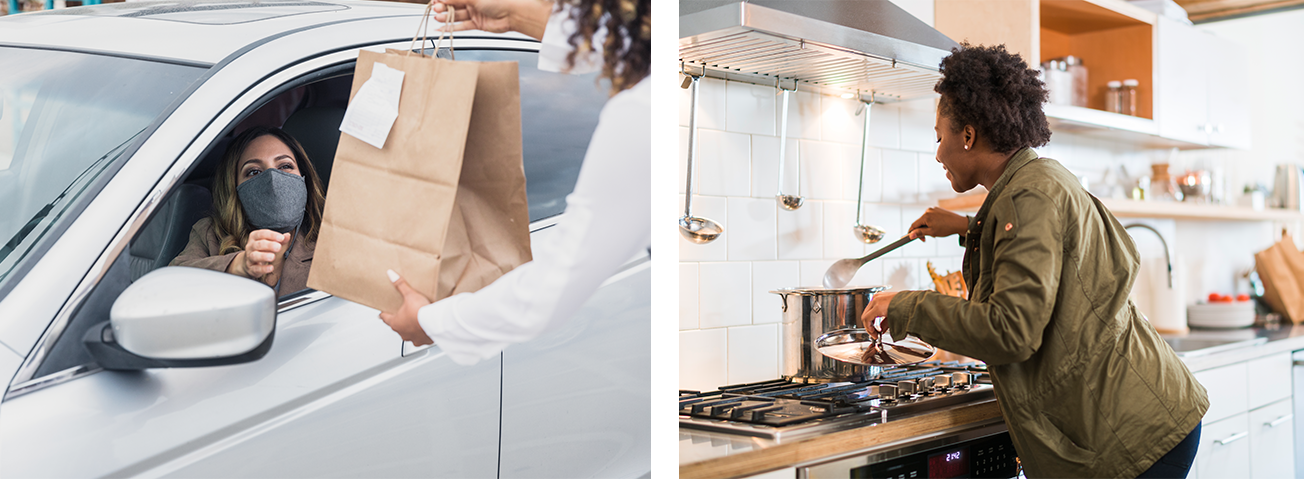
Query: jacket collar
[1020, 159]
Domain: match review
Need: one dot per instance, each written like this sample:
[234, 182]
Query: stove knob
[941, 382]
[906, 388]
[960, 380]
[887, 392]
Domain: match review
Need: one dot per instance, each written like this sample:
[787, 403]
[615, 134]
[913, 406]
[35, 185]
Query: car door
[333, 396]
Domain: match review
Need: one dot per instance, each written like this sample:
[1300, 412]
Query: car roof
[189, 31]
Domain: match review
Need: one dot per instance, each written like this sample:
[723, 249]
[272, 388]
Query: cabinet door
[1226, 386]
[1229, 102]
[1269, 380]
[1181, 98]
[1271, 441]
[1225, 448]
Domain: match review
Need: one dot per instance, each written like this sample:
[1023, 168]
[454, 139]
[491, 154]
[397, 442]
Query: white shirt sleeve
[556, 46]
[607, 221]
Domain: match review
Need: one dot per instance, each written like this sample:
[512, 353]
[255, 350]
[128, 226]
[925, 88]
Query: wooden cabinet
[1201, 97]
[1190, 92]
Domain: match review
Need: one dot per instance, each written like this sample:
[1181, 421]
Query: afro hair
[996, 92]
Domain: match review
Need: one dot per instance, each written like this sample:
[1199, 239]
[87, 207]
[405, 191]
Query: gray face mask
[274, 200]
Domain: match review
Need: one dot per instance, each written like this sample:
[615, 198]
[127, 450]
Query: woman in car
[1087, 387]
[608, 215]
[267, 210]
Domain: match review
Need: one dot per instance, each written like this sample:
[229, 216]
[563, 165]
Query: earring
[966, 147]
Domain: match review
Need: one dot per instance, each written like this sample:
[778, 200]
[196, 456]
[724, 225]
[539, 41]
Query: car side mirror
[177, 317]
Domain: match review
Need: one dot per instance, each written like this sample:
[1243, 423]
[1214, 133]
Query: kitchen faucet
[1167, 257]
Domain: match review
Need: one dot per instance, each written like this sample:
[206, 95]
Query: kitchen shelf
[1154, 209]
[1118, 128]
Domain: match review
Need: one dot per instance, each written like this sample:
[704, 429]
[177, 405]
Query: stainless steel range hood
[870, 46]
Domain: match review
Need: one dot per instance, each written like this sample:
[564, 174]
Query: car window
[64, 118]
[558, 115]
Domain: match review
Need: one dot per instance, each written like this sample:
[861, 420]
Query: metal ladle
[868, 234]
[695, 228]
[788, 202]
[841, 272]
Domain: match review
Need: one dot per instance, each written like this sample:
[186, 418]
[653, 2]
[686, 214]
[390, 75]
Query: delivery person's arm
[1007, 326]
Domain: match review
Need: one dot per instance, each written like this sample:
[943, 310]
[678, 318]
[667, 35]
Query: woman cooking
[1086, 385]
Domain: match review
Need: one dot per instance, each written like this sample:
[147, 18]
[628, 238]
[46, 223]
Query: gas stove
[784, 409]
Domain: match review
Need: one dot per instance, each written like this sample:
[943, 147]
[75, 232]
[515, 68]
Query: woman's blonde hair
[229, 219]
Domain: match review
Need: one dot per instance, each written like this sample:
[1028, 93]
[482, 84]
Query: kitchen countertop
[707, 455]
[1285, 338]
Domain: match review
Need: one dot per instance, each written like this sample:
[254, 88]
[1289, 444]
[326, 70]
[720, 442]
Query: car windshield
[65, 118]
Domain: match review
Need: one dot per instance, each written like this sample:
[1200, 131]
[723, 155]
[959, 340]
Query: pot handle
[784, 298]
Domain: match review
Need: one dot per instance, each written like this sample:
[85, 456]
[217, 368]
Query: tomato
[1214, 297]
[1242, 297]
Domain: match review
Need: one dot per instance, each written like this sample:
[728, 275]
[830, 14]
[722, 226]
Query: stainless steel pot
[808, 313]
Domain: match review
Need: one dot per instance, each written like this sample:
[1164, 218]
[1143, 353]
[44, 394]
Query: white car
[112, 119]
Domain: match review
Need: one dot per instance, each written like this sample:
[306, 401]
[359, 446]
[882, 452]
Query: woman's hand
[877, 309]
[404, 321]
[259, 254]
[939, 223]
[496, 16]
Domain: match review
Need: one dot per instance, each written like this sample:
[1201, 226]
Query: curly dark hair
[995, 92]
[627, 48]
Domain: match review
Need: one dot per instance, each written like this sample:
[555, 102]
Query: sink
[1187, 347]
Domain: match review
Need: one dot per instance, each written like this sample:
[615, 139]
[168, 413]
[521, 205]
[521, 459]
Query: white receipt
[373, 110]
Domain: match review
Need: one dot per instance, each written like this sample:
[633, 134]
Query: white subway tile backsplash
[724, 161]
[710, 104]
[703, 359]
[839, 238]
[885, 127]
[689, 288]
[917, 119]
[751, 108]
[901, 273]
[839, 122]
[900, 177]
[753, 353]
[803, 115]
[769, 276]
[812, 272]
[800, 231]
[726, 298]
[711, 207]
[949, 246]
[752, 229]
[823, 165]
[872, 179]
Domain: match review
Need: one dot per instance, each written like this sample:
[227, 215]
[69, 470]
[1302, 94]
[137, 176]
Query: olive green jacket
[1086, 385]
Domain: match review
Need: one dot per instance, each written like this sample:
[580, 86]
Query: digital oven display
[953, 463]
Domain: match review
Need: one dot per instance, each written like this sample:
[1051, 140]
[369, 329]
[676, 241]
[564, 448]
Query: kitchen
[731, 324]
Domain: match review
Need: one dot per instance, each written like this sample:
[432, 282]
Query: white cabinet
[1225, 448]
[1249, 428]
[1271, 441]
[1201, 96]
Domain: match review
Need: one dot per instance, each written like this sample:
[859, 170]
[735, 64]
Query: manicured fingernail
[393, 277]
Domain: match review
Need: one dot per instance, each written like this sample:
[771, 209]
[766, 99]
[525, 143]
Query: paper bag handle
[424, 27]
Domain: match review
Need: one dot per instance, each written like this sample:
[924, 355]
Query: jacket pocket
[1054, 451]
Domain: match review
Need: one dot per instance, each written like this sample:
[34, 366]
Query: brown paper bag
[1281, 268]
[489, 232]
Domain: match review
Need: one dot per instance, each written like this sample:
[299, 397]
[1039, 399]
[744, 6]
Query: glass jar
[1127, 97]
[1113, 103]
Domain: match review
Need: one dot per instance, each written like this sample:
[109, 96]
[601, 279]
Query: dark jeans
[1178, 461]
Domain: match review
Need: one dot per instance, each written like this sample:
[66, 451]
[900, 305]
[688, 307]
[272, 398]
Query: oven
[981, 451]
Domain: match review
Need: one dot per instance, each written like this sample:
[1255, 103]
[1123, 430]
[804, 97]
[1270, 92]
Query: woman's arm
[607, 222]
[1006, 327]
[200, 251]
